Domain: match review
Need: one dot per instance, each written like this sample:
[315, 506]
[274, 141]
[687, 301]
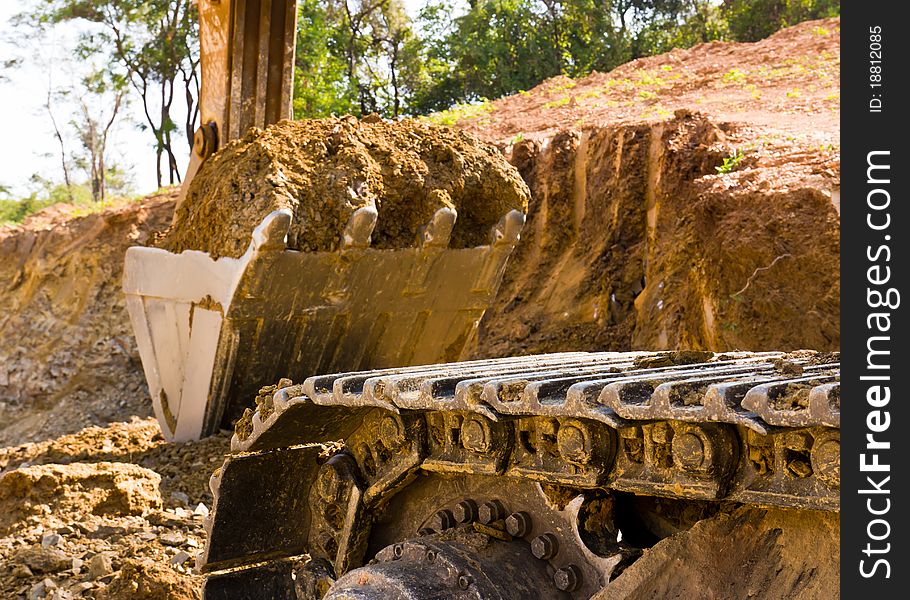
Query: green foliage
[557, 103]
[753, 20]
[321, 87]
[730, 162]
[45, 192]
[461, 112]
[501, 47]
[355, 56]
[734, 76]
[15, 210]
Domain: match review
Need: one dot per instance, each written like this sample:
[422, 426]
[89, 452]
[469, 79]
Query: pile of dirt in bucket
[323, 170]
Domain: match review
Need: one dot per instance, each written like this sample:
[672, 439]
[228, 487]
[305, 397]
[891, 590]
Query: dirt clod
[146, 580]
[787, 367]
[323, 170]
[672, 359]
[99, 488]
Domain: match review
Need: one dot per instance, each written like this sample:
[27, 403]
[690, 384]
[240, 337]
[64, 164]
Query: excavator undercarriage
[490, 478]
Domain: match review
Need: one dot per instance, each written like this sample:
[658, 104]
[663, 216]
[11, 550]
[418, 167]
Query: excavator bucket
[212, 332]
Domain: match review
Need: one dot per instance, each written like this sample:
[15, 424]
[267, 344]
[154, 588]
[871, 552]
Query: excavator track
[337, 483]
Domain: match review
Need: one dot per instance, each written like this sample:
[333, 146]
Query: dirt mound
[769, 554]
[68, 357]
[77, 489]
[120, 492]
[184, 468]
[323, 170]
[788, 85]
[146, 580]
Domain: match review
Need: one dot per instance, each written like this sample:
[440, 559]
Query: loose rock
[100, 565]
[42, 560]
[100, 488]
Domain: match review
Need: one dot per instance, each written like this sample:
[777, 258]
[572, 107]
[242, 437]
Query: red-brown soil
[639, 236]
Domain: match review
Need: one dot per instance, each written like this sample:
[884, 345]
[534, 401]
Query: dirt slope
[688, 200]
[68, 358]
[787, 85]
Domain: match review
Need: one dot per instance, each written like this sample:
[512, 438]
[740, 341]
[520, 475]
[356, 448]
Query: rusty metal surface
[759, 428]
[247, 71]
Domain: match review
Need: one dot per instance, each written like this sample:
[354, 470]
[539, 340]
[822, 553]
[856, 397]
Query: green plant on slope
[731, 162]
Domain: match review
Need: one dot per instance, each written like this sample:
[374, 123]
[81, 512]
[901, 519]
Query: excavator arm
[247, 62]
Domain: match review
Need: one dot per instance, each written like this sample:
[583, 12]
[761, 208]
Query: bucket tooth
[212, 332]
[508, 230]
[272, 232]
[438, 232]
[359, 228]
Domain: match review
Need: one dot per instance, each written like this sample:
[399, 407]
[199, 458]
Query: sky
[29, 144]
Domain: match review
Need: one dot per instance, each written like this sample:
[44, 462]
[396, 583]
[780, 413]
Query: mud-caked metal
[509, 471]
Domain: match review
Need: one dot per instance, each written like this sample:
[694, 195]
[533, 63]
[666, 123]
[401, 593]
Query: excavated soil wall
[748, 553]
[634, 240]
[68, 357]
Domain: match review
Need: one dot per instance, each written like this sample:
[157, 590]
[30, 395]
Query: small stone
[22, 572]
[37, 592]
[201, 510]
[86, 529]
[180, 558]
[192, 543]
[50, 539]
[43, 560]
[77, 564]
[180, 497]
[66, 530]
[100, 565]
[163, 518]
[49, 584]
[108, 532]
[172, 539]
[146, 536]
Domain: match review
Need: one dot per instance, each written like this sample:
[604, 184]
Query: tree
[321, 85]
[152, 44]
[99, 106]
[353, 56]
[753, 20]
[58, 133]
